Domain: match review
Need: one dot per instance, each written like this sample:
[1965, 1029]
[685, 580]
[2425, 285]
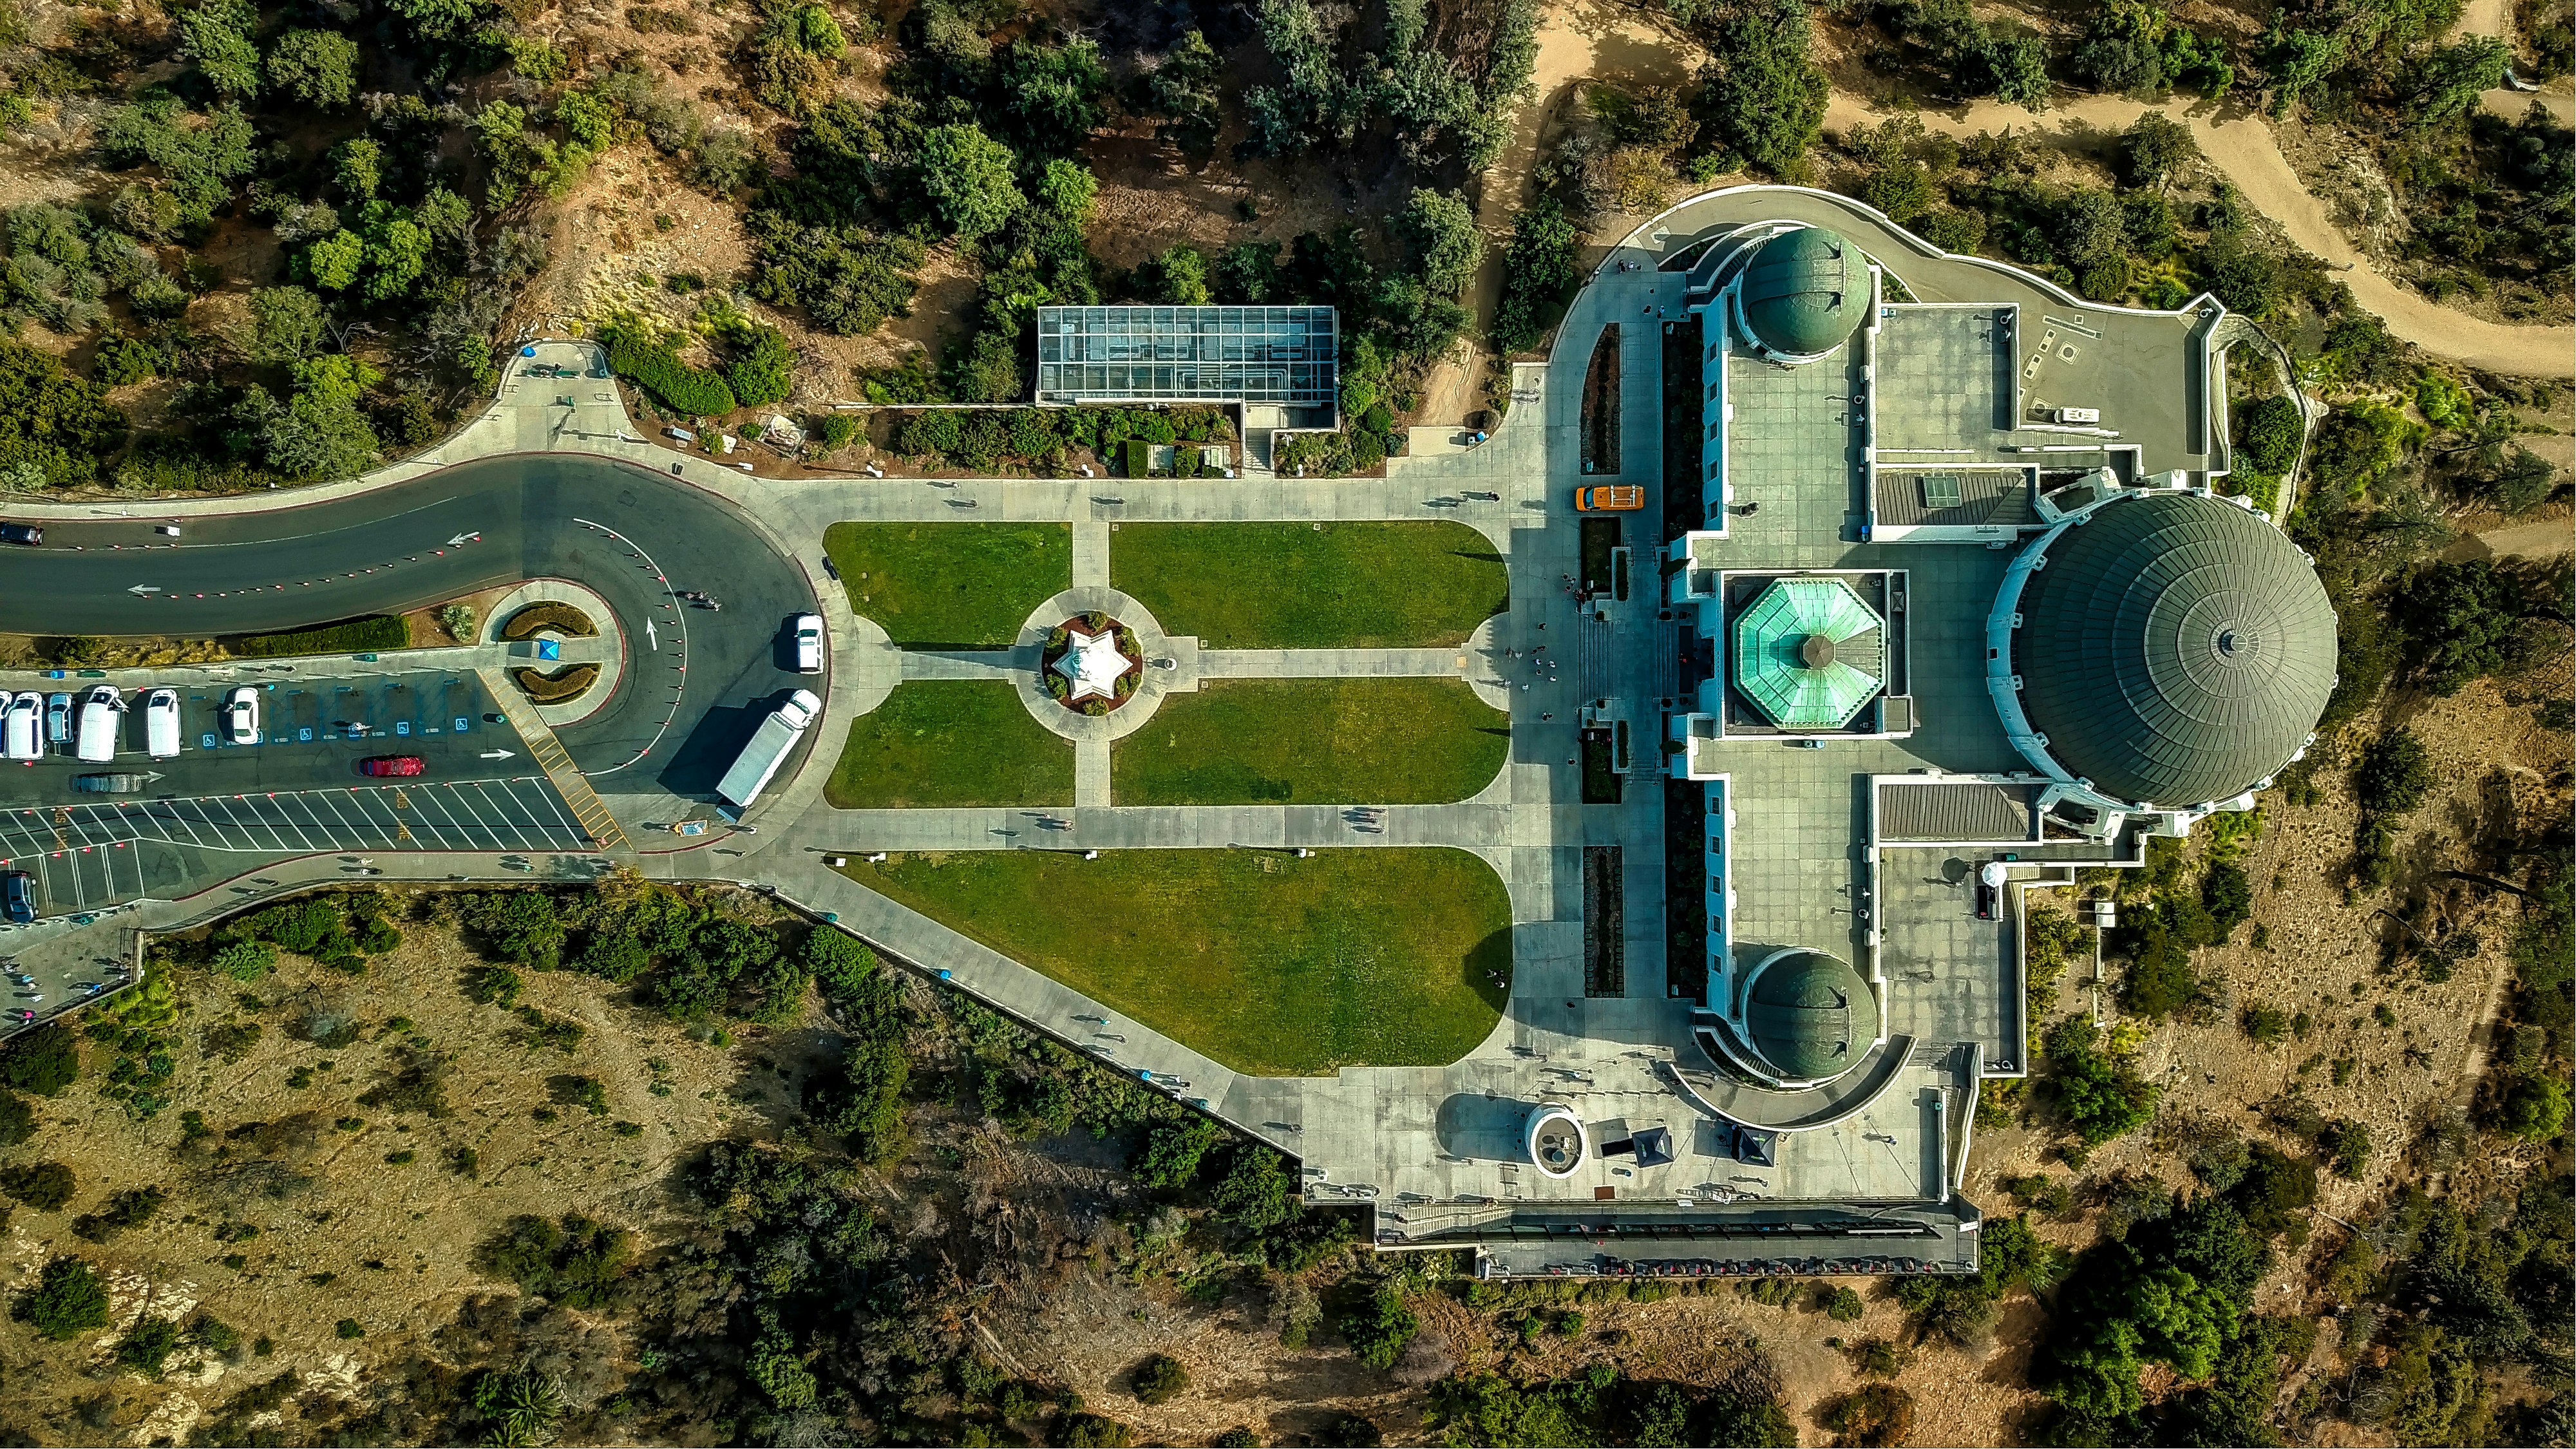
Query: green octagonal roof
[1809, 653]
[1805, 292]
[1811, 1016]
[2175, 650]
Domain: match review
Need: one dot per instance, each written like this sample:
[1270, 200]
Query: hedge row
[563, 684]
[349, 636]
[676, 385]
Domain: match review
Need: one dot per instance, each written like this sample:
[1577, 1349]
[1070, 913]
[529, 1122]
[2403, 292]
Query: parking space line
[427, 797]
[572, 829]
[278, 811]
[511, 819]
[231, 826]
[312, 816]
[181, 816]
[329, 798]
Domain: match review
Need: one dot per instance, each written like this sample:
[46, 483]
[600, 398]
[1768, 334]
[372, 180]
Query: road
[476, 525]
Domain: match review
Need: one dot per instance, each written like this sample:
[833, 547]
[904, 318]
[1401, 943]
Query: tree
[332, 263]
[2016, 65]
[1440, 237]
[2393, 774]
[2270, 430]
[1378, 1326]
[760, 370]
[2099, 1095]
[317, 67]
[50, 420]
[69, 1299]
[1159, 1379]
[1173, 1151]
[1052, 92]
[838, 962]
[1182, 90]
[198, 162]
[847, 279]
[217, 36]
[1178, 277]
[1066, 189]
[1255, 1193]
[1539, 274]
[45, 1186]
[286, 324]
[781, 1373]
[2297, 62]
[1316, 104]
[2154, 146]
[966, 177]
[2447, 80]
[1764, 96]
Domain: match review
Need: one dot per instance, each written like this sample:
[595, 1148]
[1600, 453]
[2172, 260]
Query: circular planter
[1091, 664]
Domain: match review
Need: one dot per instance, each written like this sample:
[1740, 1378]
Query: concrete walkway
[1332, 663]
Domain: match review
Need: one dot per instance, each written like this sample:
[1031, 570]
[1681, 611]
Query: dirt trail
[2243, 148]
[1575, 41]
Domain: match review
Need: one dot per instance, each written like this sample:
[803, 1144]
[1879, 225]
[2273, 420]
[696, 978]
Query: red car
[390, 765]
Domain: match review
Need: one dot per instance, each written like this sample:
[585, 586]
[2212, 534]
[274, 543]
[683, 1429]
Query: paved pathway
[1332, 663]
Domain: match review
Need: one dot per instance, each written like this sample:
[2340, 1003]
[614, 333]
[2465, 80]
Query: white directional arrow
[652, 638]
[462, 539]
[496, 754]
[144, 589]
[154, 775]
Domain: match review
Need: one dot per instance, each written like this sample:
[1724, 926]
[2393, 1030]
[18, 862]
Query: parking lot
[217, 808]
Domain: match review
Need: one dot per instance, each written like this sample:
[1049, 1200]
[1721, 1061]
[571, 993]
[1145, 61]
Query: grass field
[1269, 964]
[938, 742]
[1292, 586]
[951, 585]
[1313, 741]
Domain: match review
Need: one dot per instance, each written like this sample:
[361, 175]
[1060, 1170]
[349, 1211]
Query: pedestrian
[1542, 625]
[1524, 686]
[1547, 714]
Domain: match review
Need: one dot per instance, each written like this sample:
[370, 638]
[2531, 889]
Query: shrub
[129, 1209]
[1874, 1414]
[1160, 1379]
[1842, 1305]
[2265, 1024]
[2268, 433]
[2346, 1144]
[1378, 1326]
[69, 1299]
[574, 1265]
[2099, 1095]
[44, 1186]
[147, 1346]
[837, 432]
[348, 1328]
[930, 434]
[43, 1061]
[652, 366]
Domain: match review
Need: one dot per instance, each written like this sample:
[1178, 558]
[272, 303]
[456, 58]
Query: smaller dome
[1810, 1015]
[1805, 292]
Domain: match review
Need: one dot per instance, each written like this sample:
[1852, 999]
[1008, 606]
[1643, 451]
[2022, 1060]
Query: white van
[2083, 417]
[102, 719]
[161, 723]
[22, 736]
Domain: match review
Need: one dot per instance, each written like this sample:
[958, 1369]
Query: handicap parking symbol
[206, 741]
[304, 734]
[463, 724]
[402, 727]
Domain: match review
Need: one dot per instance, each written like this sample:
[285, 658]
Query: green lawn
[1269, 964]
[1313, 741]
[941, 742]
[1291, 586]
[951, 585]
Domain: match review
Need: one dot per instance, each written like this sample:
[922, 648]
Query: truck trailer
[769, 745]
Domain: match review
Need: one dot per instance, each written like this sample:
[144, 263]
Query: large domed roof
[1805, 292]
[1810, 1016]
[2176, 649]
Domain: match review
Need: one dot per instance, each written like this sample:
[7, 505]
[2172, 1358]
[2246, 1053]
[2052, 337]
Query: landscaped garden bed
[1267, 963]
[1091, 664]
[560, 687]
[1300, 586]
[1313, 741]
[549, 616]
[950, 585]
[937, 743]
[349, 636]
[1053, 440]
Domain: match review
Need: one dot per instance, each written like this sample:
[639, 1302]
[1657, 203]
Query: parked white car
[809, 643]
[161, 723]
[240, 715]
[22, 736]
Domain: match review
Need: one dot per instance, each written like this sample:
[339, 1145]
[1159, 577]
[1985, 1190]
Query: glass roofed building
[1285, 358]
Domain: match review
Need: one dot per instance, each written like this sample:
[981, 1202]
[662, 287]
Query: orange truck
[1609, 498]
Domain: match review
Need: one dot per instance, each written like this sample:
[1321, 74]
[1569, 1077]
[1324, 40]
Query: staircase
[569, 782]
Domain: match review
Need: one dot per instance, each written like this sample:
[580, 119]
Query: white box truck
[102, 719]
[769, 745]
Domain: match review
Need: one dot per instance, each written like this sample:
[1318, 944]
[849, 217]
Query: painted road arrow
[496, 754]
[651, 638]
[144, 589]
[462, 539]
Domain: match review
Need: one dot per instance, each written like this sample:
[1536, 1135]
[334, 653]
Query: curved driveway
[394, 548]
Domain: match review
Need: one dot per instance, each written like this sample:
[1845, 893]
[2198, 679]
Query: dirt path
[1574, 41]
[2243, 148]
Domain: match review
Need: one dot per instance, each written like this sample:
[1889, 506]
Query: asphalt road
[693, 691]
